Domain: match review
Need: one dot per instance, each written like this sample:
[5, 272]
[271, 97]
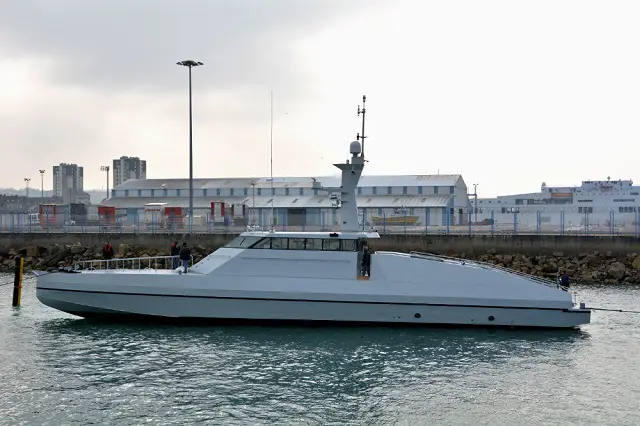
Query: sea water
[56, 369]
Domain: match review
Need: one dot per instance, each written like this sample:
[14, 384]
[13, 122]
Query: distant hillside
[97, 195]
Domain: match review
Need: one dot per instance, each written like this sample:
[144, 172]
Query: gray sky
[510, 94]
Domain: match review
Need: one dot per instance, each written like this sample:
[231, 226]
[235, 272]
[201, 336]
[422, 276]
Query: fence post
[586, 223]
[469, 222]
[405, 221]
[384, 222]
[448, 221]
[493, 221]
[538, 222]
[426, 221]
[611, 222]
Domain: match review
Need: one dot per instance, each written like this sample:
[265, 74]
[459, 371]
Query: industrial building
[408, 200]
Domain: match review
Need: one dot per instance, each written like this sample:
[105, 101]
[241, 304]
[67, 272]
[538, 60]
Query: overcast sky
[509, 93]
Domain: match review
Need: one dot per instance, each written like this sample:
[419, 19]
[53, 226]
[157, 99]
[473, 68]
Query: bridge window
[279, 243]
[265, 243]
[242, 242]
[348, 245]
[314, 244]
[296, 244]
[331, 245]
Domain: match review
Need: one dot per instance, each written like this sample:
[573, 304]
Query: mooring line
[613, 310]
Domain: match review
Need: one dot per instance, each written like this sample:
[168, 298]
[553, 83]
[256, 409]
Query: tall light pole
[27, 182]
[190, 64]
[475, 194]
[41, 182]
[106, 169]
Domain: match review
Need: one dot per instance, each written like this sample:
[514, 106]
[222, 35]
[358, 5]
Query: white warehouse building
[407, 200]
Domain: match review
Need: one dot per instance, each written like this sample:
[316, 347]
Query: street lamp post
[190, 64]
[27, 182]
[41, 183]
[106, 169]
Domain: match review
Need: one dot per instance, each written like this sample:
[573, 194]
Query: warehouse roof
[292, 182]
[375, 201]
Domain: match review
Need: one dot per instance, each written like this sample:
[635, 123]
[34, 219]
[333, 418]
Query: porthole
[417, 315]
[491, 318]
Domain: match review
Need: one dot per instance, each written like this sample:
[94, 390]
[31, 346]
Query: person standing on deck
[185, 256]
[175, 253]
[366, 262]
[107, 253]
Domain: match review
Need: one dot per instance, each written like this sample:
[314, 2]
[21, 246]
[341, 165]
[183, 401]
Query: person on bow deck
[175, 253]
[107, 251]
[185, 256]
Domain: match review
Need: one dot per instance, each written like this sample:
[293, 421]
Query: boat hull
[246, 310]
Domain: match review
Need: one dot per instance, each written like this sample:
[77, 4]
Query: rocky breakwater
[593, 267]
[55, 256]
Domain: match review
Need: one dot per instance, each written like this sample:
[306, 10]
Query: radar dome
[355, 148]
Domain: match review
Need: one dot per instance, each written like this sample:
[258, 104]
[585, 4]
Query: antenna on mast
[361, 136]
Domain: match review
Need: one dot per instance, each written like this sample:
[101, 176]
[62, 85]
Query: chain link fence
[407, 221]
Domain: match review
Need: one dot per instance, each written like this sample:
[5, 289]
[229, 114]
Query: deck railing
[132, 263]
[437, 257]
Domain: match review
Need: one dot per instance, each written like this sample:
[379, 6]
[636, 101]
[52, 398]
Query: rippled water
[59, 370]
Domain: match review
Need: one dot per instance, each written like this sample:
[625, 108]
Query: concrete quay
[473, 245]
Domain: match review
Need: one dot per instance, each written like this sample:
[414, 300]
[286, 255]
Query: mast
[271, 160]
[360, 136]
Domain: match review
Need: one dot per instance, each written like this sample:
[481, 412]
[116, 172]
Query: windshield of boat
[242, 242]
